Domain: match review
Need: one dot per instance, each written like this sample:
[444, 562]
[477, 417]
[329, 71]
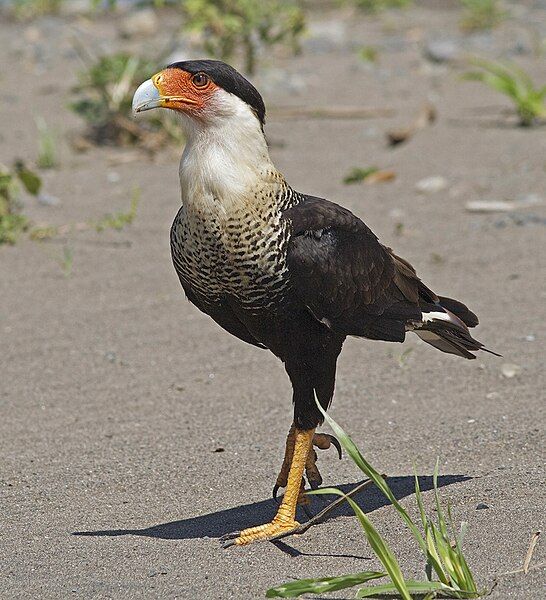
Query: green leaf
[11, 227]
[378, 544]
[358, 174]
[321, 585]
[28, 178]
[370, 472]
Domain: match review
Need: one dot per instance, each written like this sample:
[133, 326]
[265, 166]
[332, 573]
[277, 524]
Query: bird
[282, 270]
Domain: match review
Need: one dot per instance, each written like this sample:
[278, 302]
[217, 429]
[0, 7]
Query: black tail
[459, 310]
[445, 326]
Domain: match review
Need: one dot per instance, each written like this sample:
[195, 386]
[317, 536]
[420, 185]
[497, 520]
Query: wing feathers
[356, 286]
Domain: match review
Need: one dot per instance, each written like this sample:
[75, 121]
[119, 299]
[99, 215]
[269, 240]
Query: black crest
[226, 77]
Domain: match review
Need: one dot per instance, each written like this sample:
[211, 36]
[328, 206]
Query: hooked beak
[147, 97]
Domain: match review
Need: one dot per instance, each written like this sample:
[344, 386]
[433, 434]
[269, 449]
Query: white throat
[226, 154]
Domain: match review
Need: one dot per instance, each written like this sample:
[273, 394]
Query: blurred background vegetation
[249, 34]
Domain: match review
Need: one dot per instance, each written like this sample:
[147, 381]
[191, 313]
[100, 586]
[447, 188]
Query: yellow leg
[284, 520]
[322, 441]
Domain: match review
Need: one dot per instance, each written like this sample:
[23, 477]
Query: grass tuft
[479, 15]
[375, 6]
[369, 54]
[120, 219]
[103, 99]
[444, 559]
[26, 10]
[47, 146]
[515, 83]
[230, 27]
[12, 222]
[66, 261]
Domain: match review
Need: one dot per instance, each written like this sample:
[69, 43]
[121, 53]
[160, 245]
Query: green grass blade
[374, 475]
[434, 558]
[466, 580]
[441, 520]
[321, 585]
[419, 498]
[461, 536]
[414, 587]
[443, 549]
[496, 76]
[453, 559]
[378, 544]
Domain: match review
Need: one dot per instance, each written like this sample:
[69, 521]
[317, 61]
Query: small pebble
[488, 206]
[482, 506]
[113, 177]
[396, 213]
[431, 185]
[140, 23]
[47, 199]
[110, 357]
[441, 50]
[325, 36]
[510, 370]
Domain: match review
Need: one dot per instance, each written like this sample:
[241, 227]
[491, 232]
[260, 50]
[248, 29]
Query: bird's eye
[200, 80]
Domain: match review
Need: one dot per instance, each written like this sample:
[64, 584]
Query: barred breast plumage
[240, 252]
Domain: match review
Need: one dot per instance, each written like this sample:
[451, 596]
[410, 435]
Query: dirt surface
[117, 395]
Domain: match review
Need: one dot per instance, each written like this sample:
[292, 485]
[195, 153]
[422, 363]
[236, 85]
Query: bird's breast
[240, 252]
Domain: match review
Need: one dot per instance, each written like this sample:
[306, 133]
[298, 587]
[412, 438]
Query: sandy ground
[116, 393]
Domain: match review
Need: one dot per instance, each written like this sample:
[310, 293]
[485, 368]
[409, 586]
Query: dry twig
[340, 112]
[426, 116]
[530, 550]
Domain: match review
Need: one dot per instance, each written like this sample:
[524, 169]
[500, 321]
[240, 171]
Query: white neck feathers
[226, 154]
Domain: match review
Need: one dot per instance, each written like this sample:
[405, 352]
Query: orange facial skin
[184, 91]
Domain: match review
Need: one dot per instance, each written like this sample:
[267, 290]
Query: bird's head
[207, 92]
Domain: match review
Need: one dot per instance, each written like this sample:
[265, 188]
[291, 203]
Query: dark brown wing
[346, 278]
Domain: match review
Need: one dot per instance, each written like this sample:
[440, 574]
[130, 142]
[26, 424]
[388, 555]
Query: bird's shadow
[216, 524]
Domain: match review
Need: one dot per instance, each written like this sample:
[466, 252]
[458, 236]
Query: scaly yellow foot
[284, 520]
[261, 532]
[323, 441]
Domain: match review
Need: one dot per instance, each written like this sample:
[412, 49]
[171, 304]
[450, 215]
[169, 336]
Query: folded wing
[356, 286]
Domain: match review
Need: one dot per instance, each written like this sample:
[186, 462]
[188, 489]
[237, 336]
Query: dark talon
[275, 490]
[336, 443]
[227, 543]
[314, 484]
[230, 536]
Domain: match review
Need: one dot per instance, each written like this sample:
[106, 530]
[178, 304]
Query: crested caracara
[280, 269]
